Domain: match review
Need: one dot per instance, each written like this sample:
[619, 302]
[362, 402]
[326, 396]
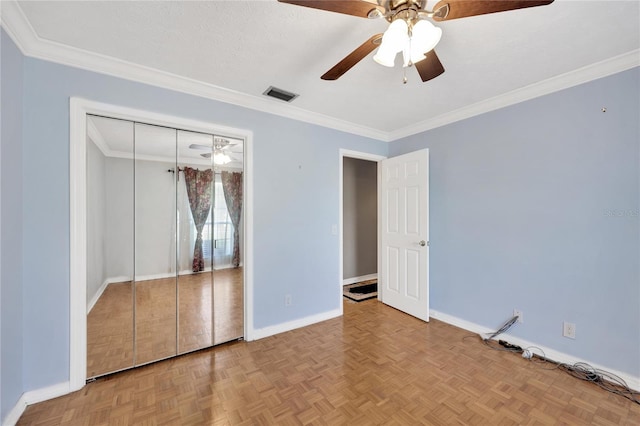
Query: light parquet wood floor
[373, 366]
[110, 324]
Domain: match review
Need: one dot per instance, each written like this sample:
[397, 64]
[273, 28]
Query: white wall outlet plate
[569, 330]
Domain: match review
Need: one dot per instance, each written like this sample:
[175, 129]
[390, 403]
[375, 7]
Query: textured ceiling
[246, 46]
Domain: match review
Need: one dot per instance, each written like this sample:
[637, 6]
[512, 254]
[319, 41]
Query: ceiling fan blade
[465, 8]
[199, 146]
[430, 67]
[348, 7]
[352, 58]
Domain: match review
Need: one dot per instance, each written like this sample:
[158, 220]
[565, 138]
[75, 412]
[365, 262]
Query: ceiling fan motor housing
[405, 9]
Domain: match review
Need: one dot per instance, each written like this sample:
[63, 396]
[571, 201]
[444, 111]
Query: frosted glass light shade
[221, 158]
[394, 40]
[424, 37]
[385, 56]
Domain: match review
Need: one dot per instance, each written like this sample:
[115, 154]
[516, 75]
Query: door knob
[422, 243]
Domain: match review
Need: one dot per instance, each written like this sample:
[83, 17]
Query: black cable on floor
[580, 370]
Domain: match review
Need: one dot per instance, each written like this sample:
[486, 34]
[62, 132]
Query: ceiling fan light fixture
[411, 14]
[414, 44]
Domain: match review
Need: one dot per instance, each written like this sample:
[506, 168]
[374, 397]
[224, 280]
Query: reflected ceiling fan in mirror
[410, 31]
[220, 147]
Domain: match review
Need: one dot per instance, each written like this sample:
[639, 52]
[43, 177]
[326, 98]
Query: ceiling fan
[221, 152]
[410, 30]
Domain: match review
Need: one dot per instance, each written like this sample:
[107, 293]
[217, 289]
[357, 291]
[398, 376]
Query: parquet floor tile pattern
[373, 366]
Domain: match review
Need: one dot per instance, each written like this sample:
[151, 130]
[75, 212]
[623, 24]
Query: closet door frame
[78, 110]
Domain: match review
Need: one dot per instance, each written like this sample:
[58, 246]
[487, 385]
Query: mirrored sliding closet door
[228, 232]
[155, 218]
[110, 233]
[195, 279]
[164, 242]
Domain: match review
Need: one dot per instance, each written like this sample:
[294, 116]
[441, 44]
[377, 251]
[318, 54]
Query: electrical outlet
[569, 330]
[287, 300]
[518, 313]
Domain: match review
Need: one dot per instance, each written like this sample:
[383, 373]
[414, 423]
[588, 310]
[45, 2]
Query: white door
[404, 237]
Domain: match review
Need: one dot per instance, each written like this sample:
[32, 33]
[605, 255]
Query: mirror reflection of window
[222, 230]
[217, 235]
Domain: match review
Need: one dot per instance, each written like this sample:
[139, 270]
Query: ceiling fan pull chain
[408, 64]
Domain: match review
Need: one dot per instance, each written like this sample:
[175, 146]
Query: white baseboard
[96, 296]
[354, 280]
[292, 325]
[180, 273]
[159, 276]
[225, 266]
[15, 413]
[155, 276]
[33, 397]
[102, 288]
[112, 280]
[552, 354]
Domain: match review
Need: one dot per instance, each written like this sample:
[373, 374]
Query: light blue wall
[535, 207]
[295, 204]
[11, 385]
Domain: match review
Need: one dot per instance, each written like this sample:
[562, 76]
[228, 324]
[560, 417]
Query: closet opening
[162, 231]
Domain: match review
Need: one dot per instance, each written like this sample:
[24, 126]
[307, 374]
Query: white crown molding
[98, 140]
[158, 158]
[96, 137]
[554, 84]
[18, 27]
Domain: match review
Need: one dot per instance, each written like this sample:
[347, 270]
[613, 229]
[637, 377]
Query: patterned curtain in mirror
[232, 188]
[200, 191]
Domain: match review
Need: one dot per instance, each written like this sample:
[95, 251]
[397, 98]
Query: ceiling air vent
[283, 95]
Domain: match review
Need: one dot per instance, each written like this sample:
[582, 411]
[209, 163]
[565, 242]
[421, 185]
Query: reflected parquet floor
[110, 324]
